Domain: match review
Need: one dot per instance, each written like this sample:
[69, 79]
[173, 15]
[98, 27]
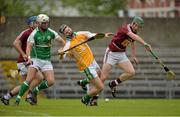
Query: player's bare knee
[131, 73]
[51, 82]
[39, 76]
[101, 87]
[103, 78]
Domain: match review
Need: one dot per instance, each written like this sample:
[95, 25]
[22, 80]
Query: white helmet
[42, 18]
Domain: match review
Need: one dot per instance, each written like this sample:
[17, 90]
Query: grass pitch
[114, 107]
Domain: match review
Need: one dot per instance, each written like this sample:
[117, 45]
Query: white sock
[7, 96]
[116, 82]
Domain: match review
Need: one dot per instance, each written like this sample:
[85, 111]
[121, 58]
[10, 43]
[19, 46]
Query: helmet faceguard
[62, 28]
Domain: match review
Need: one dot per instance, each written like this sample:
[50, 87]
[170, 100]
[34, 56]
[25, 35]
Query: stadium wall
[161, 31]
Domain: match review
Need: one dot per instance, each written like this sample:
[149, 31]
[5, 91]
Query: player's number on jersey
[125, 43]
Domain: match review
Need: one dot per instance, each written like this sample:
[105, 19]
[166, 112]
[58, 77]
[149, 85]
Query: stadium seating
[149, 82]
[3, 82]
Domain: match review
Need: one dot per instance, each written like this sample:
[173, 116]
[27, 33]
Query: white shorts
[91, 71]
[41, 65]
[22, 68]
[113, 58]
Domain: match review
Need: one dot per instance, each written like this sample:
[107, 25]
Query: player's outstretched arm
[140, 40]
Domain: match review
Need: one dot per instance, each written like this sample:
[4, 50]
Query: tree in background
[41, 6]
[96, 7]
[85, 7]
[26, 7]
[12, 7]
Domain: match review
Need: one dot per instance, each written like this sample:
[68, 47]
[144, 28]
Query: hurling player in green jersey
[39, 54]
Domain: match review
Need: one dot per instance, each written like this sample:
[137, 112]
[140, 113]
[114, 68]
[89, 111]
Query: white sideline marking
[34, 113]
[27, 112]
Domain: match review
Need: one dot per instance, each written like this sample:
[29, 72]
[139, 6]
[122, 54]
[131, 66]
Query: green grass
[73, 107]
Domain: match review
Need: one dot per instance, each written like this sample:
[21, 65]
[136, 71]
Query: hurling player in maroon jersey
[20, 45]
[115, 52]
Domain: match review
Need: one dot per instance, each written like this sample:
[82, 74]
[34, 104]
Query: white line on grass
[28, 112]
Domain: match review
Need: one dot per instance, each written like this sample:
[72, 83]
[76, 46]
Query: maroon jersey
[121, 40]
[23, 38]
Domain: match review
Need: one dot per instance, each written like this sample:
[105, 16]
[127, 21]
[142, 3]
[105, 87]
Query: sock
[11, 94]
[8, 96]
[87, 98]
[88, 87]
[23, 89]
[84, 81]
[116, 82]
[43, 85]
[95, 97]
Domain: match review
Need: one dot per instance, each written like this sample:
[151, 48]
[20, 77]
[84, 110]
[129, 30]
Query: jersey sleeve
[67, 46]
[56, 35]
[87, 33]
[22, 36]
[31, 37]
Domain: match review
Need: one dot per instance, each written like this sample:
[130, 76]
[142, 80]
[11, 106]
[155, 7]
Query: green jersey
[42, 43]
